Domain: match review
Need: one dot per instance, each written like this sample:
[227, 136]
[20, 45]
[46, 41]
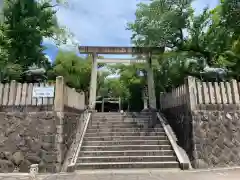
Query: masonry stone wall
[217, 136]
[34, 136]
[210, 134]
[71, 120]
[25, 139]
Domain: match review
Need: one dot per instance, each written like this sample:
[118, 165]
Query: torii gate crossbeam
[122, 61]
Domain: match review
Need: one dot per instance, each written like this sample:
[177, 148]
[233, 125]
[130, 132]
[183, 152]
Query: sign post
[43, 92]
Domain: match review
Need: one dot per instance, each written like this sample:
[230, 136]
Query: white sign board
[43, 92]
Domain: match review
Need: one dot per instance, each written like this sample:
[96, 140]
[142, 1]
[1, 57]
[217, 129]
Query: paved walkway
[223, 174]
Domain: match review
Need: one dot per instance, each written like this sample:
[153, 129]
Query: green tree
[199, 45]
[23, 26]
[160, 23]
[75, 70]
[128, 85]
[230, 13]
[102, 85]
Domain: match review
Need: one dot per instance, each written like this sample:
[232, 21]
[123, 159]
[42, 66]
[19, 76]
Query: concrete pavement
[144, 174]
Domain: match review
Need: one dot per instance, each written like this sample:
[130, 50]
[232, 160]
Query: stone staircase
[116, 141]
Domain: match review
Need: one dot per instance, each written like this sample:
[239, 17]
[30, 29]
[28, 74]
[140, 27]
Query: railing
[74, 99]
[72, 154]
[18, 94]
[217, 93]
[196, 92]
[21, 94]
[184, 164]
[175, 98]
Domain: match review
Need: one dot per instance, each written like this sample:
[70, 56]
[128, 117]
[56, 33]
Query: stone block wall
[25, 139]
[210, 134]
[40, 137]
[67, 124]
[206, 119]
[216, 132]
[71, 121]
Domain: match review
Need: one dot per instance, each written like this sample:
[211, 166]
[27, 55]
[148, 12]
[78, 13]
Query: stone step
[144, 133]
[107, 115]
[120, 117]
[121, 114]
[125, 113]
[100, 121]
[122, 120]
[120, 124]
[126, 142]
[107, 123]
[118, 113]
[116, 129]
[123, 125]
[119, 165]
[101, 126]
[115, 138]
[128, 153]
[126, 147]
[103, 118]
[126, 159]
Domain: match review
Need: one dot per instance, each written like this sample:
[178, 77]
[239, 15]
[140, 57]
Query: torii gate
[147, 52]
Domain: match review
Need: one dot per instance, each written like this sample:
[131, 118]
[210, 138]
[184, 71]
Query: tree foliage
[204, 45]
[75, 70]
[23, 25]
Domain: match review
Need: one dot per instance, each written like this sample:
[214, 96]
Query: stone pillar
[145, 103]
[150, 82]
[145, 98]
[59, 101]
[59, 95]
[93, 83]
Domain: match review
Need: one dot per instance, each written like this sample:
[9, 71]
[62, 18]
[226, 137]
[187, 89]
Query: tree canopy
[203, 45]
[23, 25]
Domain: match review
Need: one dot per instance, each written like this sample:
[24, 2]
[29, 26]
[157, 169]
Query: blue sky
[102, 22]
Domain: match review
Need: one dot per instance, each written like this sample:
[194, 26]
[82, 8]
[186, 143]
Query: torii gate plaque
[95, 50]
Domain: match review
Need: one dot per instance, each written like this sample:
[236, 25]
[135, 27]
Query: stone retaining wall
[66, 133]
[25, 139]
[36, 138]
[217, 136]
[210, 134]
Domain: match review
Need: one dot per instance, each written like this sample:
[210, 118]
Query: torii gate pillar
[151, 84]
[93, 83]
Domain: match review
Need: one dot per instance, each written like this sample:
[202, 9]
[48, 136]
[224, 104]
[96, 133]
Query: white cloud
[71, 44]
[99, 22]
[48, 57]
[103, 22]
